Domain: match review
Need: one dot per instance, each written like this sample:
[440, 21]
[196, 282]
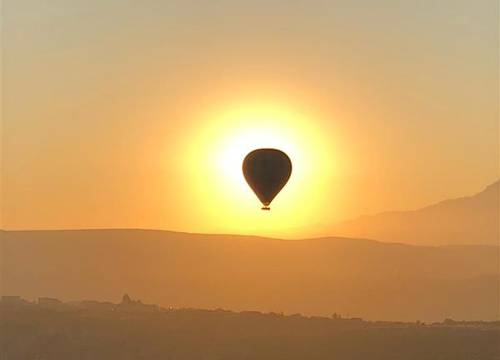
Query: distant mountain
[467, 220]
[352, 277]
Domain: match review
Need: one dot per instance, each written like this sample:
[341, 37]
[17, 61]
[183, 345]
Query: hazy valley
[353, 277]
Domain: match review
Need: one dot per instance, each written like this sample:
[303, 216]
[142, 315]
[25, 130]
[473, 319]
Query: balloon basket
[267, 208]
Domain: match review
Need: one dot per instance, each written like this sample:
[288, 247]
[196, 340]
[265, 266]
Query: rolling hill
[353, 277]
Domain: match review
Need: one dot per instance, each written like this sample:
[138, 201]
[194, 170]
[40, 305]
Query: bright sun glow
[218, 152]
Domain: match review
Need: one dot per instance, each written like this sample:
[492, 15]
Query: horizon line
[316, 238]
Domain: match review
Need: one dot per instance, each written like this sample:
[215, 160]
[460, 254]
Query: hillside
[467, 220]
[352, 277]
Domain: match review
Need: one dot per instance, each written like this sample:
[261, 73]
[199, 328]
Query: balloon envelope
[267, 171]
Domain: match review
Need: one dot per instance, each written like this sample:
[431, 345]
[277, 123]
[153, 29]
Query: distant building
[97, 305]
[126, 299]
[13, 300]
[49, 302]
[130, 305]
[356, 319]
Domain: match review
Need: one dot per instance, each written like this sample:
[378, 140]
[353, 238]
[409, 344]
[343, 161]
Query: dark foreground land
[131, 330]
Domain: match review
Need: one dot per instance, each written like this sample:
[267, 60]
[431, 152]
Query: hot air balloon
[267, 171]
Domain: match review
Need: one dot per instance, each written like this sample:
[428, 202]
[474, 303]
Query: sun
[218, 150]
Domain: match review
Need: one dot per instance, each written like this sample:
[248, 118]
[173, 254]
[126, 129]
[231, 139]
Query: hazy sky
[136, 113]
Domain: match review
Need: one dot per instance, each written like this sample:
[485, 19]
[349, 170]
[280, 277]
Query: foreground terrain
[51, 330]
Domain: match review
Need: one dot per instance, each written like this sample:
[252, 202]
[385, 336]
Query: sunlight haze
[125, 114]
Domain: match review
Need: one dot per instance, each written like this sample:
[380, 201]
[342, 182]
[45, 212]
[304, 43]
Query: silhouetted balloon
[267, 171]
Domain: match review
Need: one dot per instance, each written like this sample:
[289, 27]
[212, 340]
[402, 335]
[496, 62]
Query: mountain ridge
[464, 220]
[332, 238]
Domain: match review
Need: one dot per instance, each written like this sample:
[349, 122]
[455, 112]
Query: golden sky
[139, 113]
